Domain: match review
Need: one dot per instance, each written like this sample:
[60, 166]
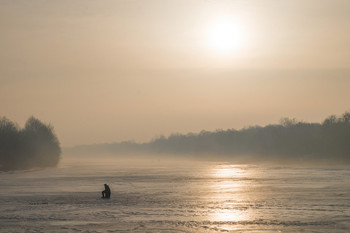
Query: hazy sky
[104, 71]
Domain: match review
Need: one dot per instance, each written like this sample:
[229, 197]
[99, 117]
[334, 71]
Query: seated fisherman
[107, 192]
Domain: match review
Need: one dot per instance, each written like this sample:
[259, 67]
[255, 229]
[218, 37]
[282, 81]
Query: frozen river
[175, 197]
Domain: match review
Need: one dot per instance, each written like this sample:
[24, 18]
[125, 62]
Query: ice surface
[175, 197]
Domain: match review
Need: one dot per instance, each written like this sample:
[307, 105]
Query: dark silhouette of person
[107, 192]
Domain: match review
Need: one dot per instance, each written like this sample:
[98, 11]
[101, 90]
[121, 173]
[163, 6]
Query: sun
[225, 35]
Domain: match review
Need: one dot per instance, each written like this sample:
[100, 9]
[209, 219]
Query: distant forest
[36, 145]
[290, 140]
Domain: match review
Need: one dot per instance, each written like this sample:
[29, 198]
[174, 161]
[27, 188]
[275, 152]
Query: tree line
[291, 139]
[288, 140]
[34, 145]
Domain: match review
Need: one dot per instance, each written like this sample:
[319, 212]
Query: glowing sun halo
[225, 35]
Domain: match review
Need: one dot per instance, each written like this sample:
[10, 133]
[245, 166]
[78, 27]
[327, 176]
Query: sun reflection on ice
[227, 171]
[229, 194]
[230, 215]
